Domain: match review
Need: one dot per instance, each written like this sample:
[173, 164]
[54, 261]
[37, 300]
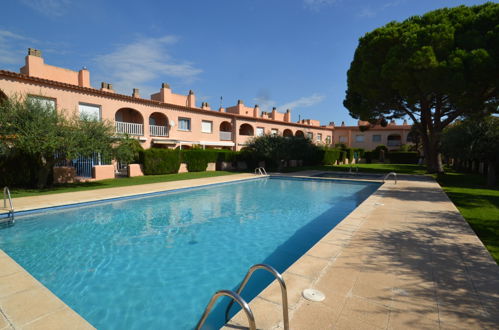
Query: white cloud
[304, 102]
[10, 47]
[146, 61]
[48, 7]
[318, 4]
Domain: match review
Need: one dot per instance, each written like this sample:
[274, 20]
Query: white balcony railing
[155, 130]
[129, 128]
[394, 143]
[226, 136]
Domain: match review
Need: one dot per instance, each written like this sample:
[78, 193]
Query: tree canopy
[432, 68]
[474, 140]
[38, 136]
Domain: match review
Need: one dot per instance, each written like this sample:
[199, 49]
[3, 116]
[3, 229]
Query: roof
[42, 81]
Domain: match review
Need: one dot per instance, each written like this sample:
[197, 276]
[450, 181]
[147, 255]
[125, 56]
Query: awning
[217, 143]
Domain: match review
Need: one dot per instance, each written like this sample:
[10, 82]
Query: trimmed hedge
[400, 157]
[160, 161]
[369, 157]
[331, 156]
[197, 160]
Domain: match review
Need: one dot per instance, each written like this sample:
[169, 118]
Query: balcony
[129, 128]
[155, 130]
[225, 136]
[394, 143]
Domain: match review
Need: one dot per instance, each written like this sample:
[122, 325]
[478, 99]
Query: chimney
[105, 87]
[331, 123]
[34, 52]
[342, 124]
[84, 77]
[256, 111]
[287, 115]
[405, 122]
[136, 93]
[191, 99]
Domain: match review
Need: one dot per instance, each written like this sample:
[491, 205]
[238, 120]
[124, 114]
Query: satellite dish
[172, 123]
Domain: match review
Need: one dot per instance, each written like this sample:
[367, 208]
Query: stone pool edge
[24, 301]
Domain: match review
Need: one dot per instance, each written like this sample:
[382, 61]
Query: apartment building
[169, 120]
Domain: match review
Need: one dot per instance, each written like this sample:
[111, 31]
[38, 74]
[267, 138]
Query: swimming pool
[154, 262]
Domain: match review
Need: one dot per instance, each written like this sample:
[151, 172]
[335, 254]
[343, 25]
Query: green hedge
[349, 154]
[160, 161]
[331, 156]
[400, 157]
[369, 157]
[197, 160]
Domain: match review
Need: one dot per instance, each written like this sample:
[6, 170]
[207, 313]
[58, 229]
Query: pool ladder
[261, 171]
[388, 175]
[236, 296]
[10, 215]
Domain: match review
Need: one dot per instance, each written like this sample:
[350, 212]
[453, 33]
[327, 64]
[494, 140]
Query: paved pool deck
[404, 259]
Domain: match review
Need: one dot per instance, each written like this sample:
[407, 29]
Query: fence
[83, 165]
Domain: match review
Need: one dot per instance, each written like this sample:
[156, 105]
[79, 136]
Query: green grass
[367, 168]
[112, 183]
[478, 204]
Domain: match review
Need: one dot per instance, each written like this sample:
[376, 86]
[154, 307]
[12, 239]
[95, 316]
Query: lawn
[478, 204]
[366, 168]
[112, 183]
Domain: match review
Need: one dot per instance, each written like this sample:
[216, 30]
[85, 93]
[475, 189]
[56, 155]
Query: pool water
[154, 262]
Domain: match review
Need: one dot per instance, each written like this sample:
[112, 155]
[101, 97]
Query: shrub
[376, 151]
[369, 157]
[349, 154]
[331, 156]
[400, 157]
[197, 160]
[226, 156]
[160, 161]
[343, 156]
[360, 152]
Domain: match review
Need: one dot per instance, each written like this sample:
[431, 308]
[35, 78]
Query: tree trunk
[491, 174]
[43, 173]
[433, 157]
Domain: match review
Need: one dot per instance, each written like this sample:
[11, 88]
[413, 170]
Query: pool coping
[360, 296]
[26, 303]
[48, 311]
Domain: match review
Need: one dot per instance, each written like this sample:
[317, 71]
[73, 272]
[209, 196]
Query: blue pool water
[154, 262]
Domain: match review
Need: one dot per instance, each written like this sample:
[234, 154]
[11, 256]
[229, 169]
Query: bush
[228, 156]
[343, 156]
[349, 154]
[360, 152]
[331, 156]
[376, 151]
[160, 161]
[369, 157]
[197, 160]
[400, 157]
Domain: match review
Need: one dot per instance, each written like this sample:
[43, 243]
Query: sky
[275, 53]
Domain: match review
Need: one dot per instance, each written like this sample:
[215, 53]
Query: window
[343, 139]
[376, 138]
[89, 111]
[260, 131]
[274, 131]
[43, 101]
[328, 139]
[319, 137]
[184, 124]
[310, 135]
[207, 126]
[359, 138]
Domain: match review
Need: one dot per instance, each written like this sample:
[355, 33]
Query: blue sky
[283, 53]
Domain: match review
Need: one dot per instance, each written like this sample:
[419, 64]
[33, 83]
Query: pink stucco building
[171, 120]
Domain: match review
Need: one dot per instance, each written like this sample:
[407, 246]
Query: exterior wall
[68, 99]
[35, 67]
[351, 132]
[69, 89]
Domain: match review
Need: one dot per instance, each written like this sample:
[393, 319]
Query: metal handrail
[261, 171]
[6, 193]
[235, 296]
[284, 291]
[391, 173]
